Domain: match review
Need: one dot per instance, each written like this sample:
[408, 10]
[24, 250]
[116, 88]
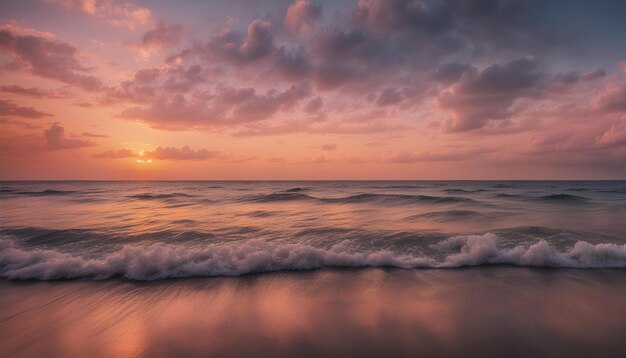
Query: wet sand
[505, 311]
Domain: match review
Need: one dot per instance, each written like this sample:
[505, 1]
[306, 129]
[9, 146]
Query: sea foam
[162, 261]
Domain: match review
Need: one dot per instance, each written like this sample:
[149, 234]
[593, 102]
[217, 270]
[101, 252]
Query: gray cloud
[490, 93]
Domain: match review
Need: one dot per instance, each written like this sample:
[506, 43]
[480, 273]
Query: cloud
[55, 139]
[488, 21]
[116, 13]
[611, 99]
[8, 108]
[231, 47]
[183, 153]
[116, 154]
[277, 160]
[302, 16]
[329, 146]
[442, 155]
[320, 159]
[489, 94]
[29, 92]
[575, 77]
[161, 36]
[322, 127]
[226, 106]
[451, 72]
[21, 124]
[148, 84]
[389, 96]
[395, 61]
[92, 135]
[314, 106]
[48, 58]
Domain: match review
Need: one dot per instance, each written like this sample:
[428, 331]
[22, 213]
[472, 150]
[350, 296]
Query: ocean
[312, 267]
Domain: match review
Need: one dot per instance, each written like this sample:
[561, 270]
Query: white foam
[161, 261]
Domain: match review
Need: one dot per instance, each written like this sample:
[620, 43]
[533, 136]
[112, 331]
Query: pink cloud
[611, 99]
[48, 58]
[30, 92]
[161, 36]
[94, 135]
[116, 13]
[302, 16]
[20, 124]
[226, 106]
[8, 108]
[56, 139]
[183, 153]
[53, 139]
[441, 155]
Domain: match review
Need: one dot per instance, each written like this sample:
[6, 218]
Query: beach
[504, 311]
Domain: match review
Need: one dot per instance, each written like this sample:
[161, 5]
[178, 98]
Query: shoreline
[372, 311]
[329, 269]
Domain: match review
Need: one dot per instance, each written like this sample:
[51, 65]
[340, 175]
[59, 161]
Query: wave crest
[162, 261]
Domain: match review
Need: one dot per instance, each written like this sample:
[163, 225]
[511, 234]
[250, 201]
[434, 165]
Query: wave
[464, 191]
[268, 198]
[47, 192]
[360, 198]
[260, 214]
[398, 198]
[504, 195]
[553, 198]
[149, 196]
[613, 191]
[563, 198]
[161, 261]
[448, 215]
[397, 187]
[296, 190]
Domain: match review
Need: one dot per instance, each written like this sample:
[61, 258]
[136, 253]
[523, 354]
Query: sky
[311, 89]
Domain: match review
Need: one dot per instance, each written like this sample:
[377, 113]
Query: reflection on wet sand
[490, 310]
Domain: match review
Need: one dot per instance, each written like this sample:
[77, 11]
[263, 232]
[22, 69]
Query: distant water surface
[158, 230]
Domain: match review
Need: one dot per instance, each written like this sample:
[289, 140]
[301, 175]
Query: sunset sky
[310, 89]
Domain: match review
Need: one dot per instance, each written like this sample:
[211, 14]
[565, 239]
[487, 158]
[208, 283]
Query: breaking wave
[161, 261]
